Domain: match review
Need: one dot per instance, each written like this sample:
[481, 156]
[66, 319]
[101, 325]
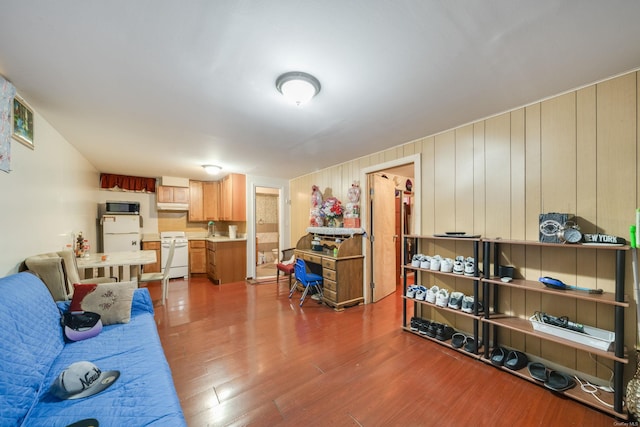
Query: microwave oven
[122, 208]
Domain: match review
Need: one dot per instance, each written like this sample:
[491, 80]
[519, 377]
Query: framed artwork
[22, 122]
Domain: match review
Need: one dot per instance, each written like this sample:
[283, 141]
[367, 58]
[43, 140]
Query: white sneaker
[425, 262]
[411, 291]
[421, 293]
[469, 267]
[467, 304]
[431, 294]
[442, 298]
[446, 265]
[435, 263]
[415, 261]
[458, 267]
[455, 300]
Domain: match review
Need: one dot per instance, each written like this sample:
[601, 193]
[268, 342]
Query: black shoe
[415, 324]
[424, 326]
[433, 329]
[498, 356]
[444, 333]
[516, 360]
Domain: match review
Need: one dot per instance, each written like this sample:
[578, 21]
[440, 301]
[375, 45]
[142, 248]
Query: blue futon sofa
[33, 353]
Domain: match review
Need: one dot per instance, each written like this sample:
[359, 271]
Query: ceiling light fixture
[298, 87]
[212, 169]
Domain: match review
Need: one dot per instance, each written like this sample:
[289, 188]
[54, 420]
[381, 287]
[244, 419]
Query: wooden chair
[288, 268]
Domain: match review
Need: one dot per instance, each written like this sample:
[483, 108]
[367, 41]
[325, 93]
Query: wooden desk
[342, 274]
[115, 264]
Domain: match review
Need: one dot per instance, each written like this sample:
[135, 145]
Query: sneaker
[425, 262]
[432, 330]
[415, 324]
[458, 267]
[435, 263]
[423, 328]
[444, 333]
[455, 300]
[415, 261]
[442, 298]
[431, 294]
[446, 265]
[421, 293]
[469, 267]
[411, 291]
[460, 258]
[467, 304]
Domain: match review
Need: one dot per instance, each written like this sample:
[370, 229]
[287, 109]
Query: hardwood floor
[245, 354]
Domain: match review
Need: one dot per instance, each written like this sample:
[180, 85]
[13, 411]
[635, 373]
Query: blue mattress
[144, 395]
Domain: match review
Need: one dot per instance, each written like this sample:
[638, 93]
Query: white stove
[180, 262]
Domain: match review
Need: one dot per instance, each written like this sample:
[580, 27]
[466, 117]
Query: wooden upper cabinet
[211, 195]
[167, 194]
[203, 200]
[196, 202]
[233, 198]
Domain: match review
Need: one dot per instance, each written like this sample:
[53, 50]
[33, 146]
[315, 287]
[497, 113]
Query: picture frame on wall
[22, 122]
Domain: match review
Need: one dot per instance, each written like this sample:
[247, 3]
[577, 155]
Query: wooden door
[383, 231]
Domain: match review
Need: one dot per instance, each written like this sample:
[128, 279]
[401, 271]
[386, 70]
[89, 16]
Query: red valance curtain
[127, 183]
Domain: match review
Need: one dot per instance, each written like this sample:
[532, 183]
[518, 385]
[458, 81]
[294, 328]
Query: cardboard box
[351, 223]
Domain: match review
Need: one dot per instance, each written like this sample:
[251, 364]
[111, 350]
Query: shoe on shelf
[458, 340]
[425, 262]
[516, 360]
[444, 333]
[435, 263]
[421, 292]
[469, 267]
[424, 326]
[442, 298]
[446, 265]
[414, 325]
[433, 329]
[415, 261]
[411, 291]
[431, 294]
[471, 346]
[498, 356]
[455, 300]
[458, 266]
[467, 304]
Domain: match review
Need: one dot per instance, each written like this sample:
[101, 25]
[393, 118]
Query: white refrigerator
[120, 233]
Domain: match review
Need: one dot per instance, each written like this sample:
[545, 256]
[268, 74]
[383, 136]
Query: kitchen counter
[197, 236]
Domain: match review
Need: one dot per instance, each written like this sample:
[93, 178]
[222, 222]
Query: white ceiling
[160, 87]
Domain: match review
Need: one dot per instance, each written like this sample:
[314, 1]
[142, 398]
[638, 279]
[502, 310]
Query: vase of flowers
[331, 211]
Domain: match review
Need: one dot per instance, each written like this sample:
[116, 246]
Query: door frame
[364, 210]
[284, 225]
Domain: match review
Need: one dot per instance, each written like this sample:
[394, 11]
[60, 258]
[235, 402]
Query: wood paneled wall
[575, 153]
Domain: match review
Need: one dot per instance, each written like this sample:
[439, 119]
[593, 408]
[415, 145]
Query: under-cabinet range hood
[172, 206]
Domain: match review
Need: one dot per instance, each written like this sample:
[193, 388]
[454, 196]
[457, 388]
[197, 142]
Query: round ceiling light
[298, 87]
[212, 169]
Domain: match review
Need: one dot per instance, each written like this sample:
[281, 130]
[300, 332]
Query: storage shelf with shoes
[612, 305]
[435, 287]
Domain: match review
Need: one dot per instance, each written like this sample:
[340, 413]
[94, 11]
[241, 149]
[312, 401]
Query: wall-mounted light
[212, 169]
[298, 87]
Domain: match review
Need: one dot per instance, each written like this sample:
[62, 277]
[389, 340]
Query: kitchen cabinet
[167, 194]
[203, 200]
[210, 195]
[233, 198]
[226, 261]
[152, 268]
[197, 257]
[196, 204]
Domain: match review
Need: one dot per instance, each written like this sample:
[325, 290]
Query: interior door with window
[382, 199]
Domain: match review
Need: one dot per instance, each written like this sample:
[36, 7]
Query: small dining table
[114, 264]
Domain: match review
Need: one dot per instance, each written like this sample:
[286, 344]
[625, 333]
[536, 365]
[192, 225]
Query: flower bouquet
[331, 210]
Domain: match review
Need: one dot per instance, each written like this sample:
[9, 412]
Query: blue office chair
[307, 280]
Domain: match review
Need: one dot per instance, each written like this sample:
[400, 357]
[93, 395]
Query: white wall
[49, 194]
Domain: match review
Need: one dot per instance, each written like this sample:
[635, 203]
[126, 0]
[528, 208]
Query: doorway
[390, 212]
[267, 227]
